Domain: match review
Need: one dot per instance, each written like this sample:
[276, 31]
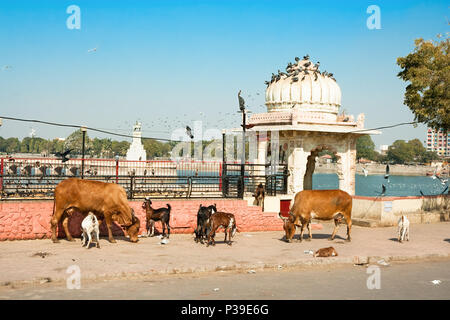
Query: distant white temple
[136, 151]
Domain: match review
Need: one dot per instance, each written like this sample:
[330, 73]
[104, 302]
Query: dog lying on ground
[90, 228]
[403, 229]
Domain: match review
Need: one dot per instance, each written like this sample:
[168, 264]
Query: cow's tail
[169, 207]
[54, 204]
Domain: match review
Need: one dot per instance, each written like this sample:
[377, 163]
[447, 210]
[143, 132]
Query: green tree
[75, 142]
[120, 148]
[101, 148]
[12, 145]
[429, 156]
[411, 151]
[417, 149]
[427, 70]
[400, 152]
[2, 144]
[365, 148]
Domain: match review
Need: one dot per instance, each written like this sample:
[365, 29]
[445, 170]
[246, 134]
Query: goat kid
[153, 215]
[326, 252]
[90, 229]
[403, 229]
[221, 219]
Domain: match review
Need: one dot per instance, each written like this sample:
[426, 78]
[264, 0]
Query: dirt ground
[40, 261]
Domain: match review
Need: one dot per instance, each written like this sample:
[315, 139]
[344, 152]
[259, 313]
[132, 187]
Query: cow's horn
[281, 217]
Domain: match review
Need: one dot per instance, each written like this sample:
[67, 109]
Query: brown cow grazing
[288, 226]
[107, 200]
[133, 230]
[321, 205]
[221, 219]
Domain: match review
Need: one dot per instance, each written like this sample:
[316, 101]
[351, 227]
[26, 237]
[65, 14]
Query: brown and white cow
[106, 200]
[320, 205]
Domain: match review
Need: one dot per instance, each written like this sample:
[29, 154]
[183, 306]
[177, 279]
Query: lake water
[372, 184]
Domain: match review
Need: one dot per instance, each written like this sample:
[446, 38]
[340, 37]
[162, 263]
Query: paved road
[397, 281]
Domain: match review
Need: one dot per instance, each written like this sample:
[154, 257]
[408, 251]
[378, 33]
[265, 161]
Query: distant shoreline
[380, 169]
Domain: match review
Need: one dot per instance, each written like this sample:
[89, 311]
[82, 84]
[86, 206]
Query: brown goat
[153, 215]
[221, 219]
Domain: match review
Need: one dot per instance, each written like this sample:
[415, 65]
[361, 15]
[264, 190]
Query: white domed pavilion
[303, 118]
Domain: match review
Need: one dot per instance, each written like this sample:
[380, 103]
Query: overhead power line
[79, 127]
[385, 127]
[159, 139]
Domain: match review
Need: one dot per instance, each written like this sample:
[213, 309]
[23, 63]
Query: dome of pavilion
[304, 88]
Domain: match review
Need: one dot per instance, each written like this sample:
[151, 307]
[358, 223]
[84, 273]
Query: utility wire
[386, 127]
[162, 139]
[88, 128]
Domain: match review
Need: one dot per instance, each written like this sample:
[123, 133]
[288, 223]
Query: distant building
[438, 141]
[136, 150]
[326, 158]
[384, 149]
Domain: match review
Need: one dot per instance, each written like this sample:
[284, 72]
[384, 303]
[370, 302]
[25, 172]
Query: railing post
[131, 187]
[285, 179]
[1, 173]
[220, 175]
[117, 169]
[189, 193]
[83, 129]
[240, 187]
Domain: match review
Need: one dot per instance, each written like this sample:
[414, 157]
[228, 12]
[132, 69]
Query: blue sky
[180, 61]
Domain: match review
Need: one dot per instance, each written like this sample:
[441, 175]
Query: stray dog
[90, 229]
[326, 252]
[403, 229]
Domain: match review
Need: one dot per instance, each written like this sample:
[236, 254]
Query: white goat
[90, 229]
[403, 229]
